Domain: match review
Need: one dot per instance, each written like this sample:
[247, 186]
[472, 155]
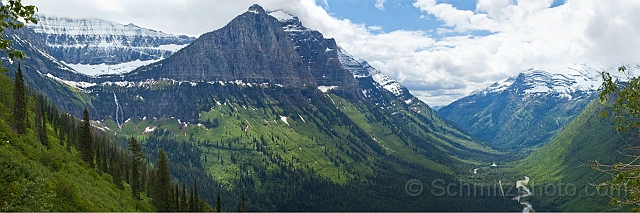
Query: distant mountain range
[526, 111]
[95, 47]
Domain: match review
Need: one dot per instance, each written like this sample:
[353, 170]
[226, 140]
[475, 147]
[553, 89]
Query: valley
[266, 114]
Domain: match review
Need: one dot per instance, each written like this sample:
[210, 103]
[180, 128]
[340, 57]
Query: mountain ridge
[526, 111]
[85, 44]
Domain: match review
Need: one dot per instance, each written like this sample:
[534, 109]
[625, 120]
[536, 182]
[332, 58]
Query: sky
[441, 50]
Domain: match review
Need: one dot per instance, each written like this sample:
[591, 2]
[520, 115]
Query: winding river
[522, 184]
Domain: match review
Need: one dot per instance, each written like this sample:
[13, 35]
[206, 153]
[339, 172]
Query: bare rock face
[251, 48]
[318, 53]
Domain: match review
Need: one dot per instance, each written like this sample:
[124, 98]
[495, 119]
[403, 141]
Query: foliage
[86, 140]
[162, 185]
[19, 103]
[35, 177]
[625, 94]
[14, 15]
[136, 163]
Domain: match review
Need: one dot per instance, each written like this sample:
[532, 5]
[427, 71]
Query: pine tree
[40, 122]
[192, 201]
[241, 207]
[19, 103]
[86, 139]
[105, 156]
[136, 162]
[176, 198]
[183, 199]
[196, 196]
[117, 175]
[218, 204]
[163, 184]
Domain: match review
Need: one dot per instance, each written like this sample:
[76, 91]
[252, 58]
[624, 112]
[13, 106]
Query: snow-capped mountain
[526, 110]
[318, 53]
[537, 81]
[94, 47]
[362, 70]
[375, 85]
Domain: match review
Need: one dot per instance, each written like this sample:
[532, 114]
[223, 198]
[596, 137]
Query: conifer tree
[192, 201]
[218, 204]
[40, 122]
[241, 208]
[183, 199]
[19, 103]
[176, 198]
[105, 156]
[86, 139]
[117, 175]
[196, 196]
[163, 185]
[136, 162]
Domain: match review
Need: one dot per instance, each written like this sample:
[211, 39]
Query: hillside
[523, 113]
[564, 161]
[35, 177]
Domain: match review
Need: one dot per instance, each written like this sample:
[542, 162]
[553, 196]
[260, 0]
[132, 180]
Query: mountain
[319, 54]
[94, 47]
[526, 111]
[251, 48]
[563, 163]
[256, 108]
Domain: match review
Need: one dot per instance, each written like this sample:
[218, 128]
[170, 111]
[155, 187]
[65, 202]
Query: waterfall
[521, 184]
[119, 113]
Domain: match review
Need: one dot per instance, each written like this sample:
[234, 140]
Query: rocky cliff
[318, 53]
[251, 48]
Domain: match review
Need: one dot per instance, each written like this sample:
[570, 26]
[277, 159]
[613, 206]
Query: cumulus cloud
[440, 69]
[380, 4]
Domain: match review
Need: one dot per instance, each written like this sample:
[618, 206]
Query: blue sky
[399, 15]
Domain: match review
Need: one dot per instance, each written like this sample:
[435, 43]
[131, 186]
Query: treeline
[100, 152]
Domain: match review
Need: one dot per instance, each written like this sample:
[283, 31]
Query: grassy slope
[312, 140]
[41, 179]
[564, 160]
[348, 143]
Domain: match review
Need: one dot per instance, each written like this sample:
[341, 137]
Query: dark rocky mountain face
[526, 111]
[93, 41]
[319, 54]
[251, 48]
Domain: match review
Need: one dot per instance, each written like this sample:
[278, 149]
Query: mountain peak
[251, 48]
[536, 80]
[255, 8]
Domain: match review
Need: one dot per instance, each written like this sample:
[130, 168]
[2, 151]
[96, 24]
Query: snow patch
[171, 47]
[104, 69]
[284, 119]
[149, 129]
[75, 84]
[325, 89]
[281, 15]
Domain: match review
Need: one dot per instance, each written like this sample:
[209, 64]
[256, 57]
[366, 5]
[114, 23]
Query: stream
[119, 114]
[522, 184]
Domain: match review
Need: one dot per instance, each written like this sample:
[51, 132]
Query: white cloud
[380, 4]
[600, 33]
